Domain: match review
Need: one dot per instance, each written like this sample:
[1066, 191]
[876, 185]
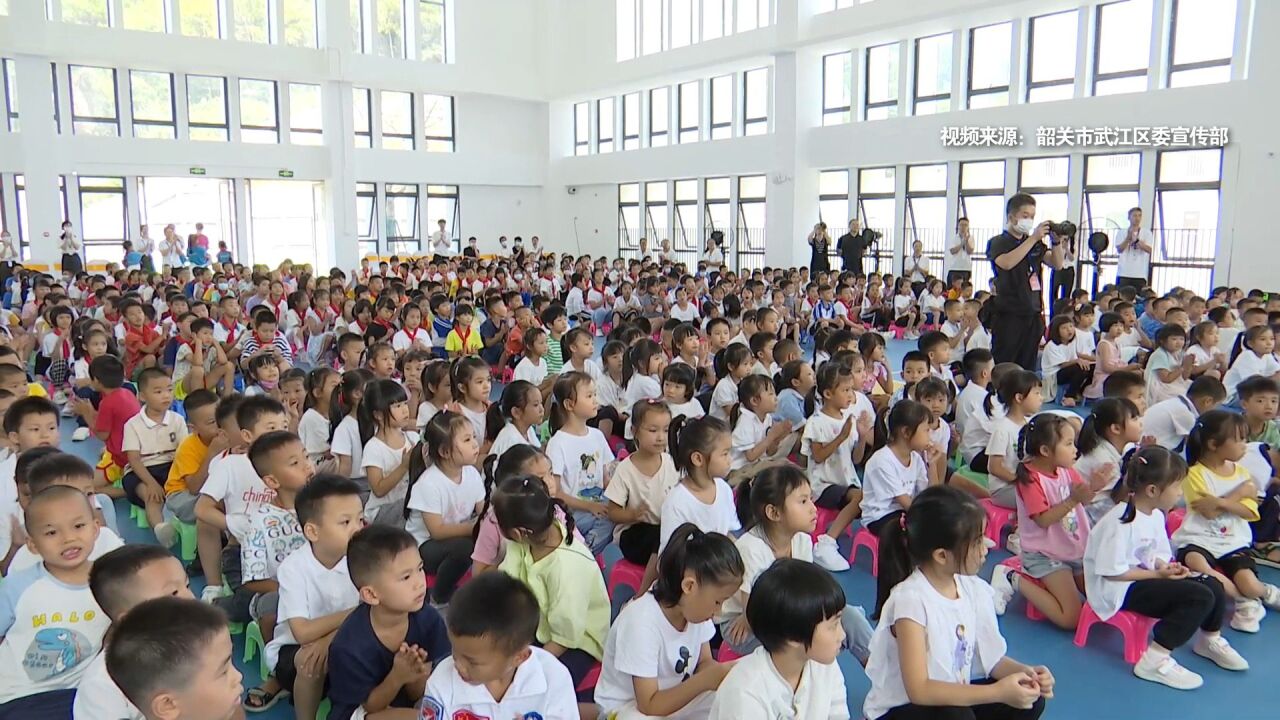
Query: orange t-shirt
[134, 341]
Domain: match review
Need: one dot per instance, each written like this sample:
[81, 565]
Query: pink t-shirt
[490, 548]
[1065, 539]
[877, 372]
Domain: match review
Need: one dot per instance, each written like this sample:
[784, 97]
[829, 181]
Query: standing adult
[70, 245]
[1017, 307]
[959, 258]
[664, 253]
[819, 241]
[440, 243]
[8, 256]
[1063, 280]
[535, 249]
[853, 245]
[171, 248]
[147, 247]
[198, 247]
[711, 253]
[1134, 267]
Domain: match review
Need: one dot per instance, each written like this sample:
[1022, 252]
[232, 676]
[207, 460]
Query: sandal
[1267, 554]
[258, 700]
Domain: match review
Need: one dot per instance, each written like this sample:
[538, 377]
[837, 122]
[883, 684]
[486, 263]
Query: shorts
[1229, 564]
[1040, 566]
[286, 671]
[833, 497]
[181, 505]
[264, 604]
[130, 482]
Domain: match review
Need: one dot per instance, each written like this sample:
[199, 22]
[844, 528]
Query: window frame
[602, 126]
[748, 121]
[275, 97]
[665, 132]
[884, 246]
[749, 254]
[86, 186]
[911, 228]
[225, 126]
[367, 132]
[1097, 76]
[416, 235]
[294, 130]
[582, 122]
[316, 9]
[219, 19]
[695, 101]
[440, 143]
[1173, 67]
[166, 19]
[94, 120]
[916, 97]
[364, 236]
[273, 32]
[723, 124]
[627, 245]
[9, 77]
[1032, 84]
[631, 141]
[444, 31]
[410, 136]
[171, 124]
[844, 112]
[891, 104]
[971, 91]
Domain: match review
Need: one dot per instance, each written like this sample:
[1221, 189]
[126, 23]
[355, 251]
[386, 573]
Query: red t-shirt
[115, 409]
[134, 340]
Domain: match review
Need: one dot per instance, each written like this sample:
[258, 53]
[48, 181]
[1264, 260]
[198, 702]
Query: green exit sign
[196, 171]
[286, 173]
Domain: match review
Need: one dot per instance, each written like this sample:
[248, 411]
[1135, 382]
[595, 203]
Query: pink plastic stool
[1133, 627]
[508, 375]
[898, 332]
[998, 519]
[589, 681]
[826, 516]
[625, 573]
[864, 538]
[1173, 520]
[1015, 562]
[726, 653]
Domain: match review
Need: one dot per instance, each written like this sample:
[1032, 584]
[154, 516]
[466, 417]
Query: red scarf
[413, 336]
[463, 336]
[231, 330]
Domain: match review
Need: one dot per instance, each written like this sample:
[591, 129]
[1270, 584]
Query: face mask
[268, 384]
[222, 286]
[1025, 225]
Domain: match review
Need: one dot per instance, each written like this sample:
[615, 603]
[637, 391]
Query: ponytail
[523, 502]
[344, 397]
[1108, 412]
[712, 558]
[565, 390]
[1151, 466]
[940, 517]
[769, 487]
[511, 462]
[1213, 429]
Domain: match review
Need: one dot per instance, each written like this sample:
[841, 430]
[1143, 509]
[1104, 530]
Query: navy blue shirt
[493, 354]
[359, 662]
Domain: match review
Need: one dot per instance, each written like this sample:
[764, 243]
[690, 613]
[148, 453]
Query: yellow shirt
[455, 343]
[186, 462]
[1227, 532]
[36, 390]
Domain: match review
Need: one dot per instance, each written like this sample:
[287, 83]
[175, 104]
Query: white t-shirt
[1003, 443]
[274, 533]
[426, 411]
[377, 453]
[98, 697]
[530, 371]
[234, 483]
[837, 469]
[1055, 356]
[749, 431]
[509, 437]
[691, 410]
[580, 462]
[643, 643]
[754, 690]
[308, 590]
[541, 688]
[1085, 343]
[107, 541]
[1115, 548]
[435, 493]
[885, 478]
[724, 397]
[609, 392]
[681, 507]
[960, 260]
[757, 556]
[961, 637]
[968, 403]
[685, 314]
[346, 441]
[1169, 421]
[1135, 262]
[313, 429]
[1248, 364]
[640, 387]
[404, 340]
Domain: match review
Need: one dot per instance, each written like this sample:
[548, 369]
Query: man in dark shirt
[853, 245]
[1017, 308]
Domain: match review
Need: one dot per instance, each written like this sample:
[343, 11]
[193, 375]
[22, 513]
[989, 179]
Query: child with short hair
[738, 363]
[41, 467]
[1169, 421]
[142, 342]
[833, 441]
[533, 366]
[581, 456]
[758, 441]
[150, 440]
[1168, 371]
[915, 367]
[462, 341]
[386, 647]
[555, 320]
[267, 340]
[679, 383]
[1259, 397]
[201, 363]
[116, 407]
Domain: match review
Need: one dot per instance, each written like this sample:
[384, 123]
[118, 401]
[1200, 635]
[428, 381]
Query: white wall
[493, 210]
[584, 223]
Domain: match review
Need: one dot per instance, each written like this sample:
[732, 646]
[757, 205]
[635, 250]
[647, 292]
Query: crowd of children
[410, 544]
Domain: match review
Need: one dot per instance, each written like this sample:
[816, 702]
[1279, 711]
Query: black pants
[1267, 527]
[878, 526]
[1134, 282]
[993, 711]
[1015, 338]
[1073, 379]
[607, 412]
[1181, 606]
[639, 542]
[130, 482]
[953, 274]
[49, 704]
[979, 462]
[448, 560]
[1061, 283]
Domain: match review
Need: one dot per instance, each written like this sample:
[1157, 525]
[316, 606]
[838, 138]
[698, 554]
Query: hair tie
[902, 522]
[1141, 460]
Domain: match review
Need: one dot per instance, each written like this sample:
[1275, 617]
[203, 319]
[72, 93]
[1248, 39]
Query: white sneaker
[1272, 596]
[988, 543]
[1013, 544]
[827, 555]
[67, 411]
[1002, 581]
[1165, 670]
[1248, 616]
[1218, 650]
[166, 534]
[59, 398]
[211, 593]
[80, 435]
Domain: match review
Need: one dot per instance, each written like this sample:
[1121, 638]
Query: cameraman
[853, 245]
[1016, 317]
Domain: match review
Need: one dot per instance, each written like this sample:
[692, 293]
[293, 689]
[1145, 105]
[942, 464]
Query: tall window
[716, 213]
[252, 20]
[717, 18]
[990, 48]
[683, 13]
[11, 93]
[631, 121]
[102, 217]
[93, 101]
[755, 101]
[1201, 42]
[442, 204]
[151, 94]
[362, 112]
[837, 88]
[655, 212]
[437, 121]
[926, 218]
[1122, 50]
[1052, 57]
[367, 218]
[146, 15]
[721, 107]
[402, 219]
[207, 107]
[628, 219]
[684, 242]
[752, 14]
[604, 125]
[201, 18]
[306, 126]
[659, 116]
[878, 210]
[627, 29]
[687, 113]
[259, 112]
[581, 129]
[933, 74]
[184, 201]
[982, 202]
[881, 91]
[651, 26]
[87, 12]
[388, 38]
[1110, 189]
[833, 203]
[432, 38]
[300, 23]
[751, 222]
[1188, 188]
[286, 220]
[397, 120]
[1046, 178]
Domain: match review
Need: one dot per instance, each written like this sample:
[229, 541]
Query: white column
[1085, 40]
[35, 101]
[244, 232]
[796, 189]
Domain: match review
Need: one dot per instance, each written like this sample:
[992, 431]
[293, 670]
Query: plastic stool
[826, 516]
[864, 538]
[590, 679]
[726, 653]
[1134, 627]
[626, 573]
[322, 712]
[998, 519]
[1015, 562]
[1173, 520]
[139, 516]
[254, 645]
[186, 539]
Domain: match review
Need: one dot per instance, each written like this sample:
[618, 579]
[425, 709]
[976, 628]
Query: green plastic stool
[971, 476]
[253, 645]
[186, 539]
[139, 516]
[322, 712]
[235, 628]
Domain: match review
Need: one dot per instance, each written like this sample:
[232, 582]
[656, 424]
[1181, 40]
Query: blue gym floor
[1085, 676]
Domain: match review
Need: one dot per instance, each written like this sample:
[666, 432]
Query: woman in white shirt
[711, 253]
[959, 258]
[69, 243]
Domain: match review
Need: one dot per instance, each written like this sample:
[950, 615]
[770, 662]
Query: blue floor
[1086, 676]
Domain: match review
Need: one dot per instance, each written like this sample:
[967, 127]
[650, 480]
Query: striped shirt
[278, 342]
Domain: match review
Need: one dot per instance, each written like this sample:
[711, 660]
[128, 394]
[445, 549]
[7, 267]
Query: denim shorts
[1039, 565]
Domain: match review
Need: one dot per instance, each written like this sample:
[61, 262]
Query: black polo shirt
[853, 247]
[1018, 289]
